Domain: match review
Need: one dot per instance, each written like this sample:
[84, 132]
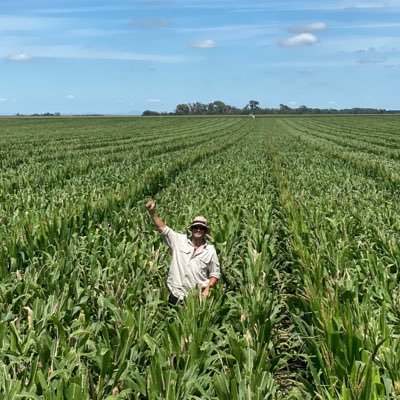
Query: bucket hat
[199, 220]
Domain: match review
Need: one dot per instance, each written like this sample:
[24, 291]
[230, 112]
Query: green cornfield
[305, 217]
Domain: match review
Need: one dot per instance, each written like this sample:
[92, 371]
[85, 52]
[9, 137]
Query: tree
[149, 113]
[303, 109]
[197, 108]
[220, 107]
[211, 109]
[283, 108]
[182, 109]
[253, 106]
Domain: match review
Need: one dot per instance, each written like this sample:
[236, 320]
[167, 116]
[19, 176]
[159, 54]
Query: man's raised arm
[158, 222]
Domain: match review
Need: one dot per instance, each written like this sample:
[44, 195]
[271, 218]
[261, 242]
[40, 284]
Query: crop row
[352, 140]
[84, 309]
[341, 228]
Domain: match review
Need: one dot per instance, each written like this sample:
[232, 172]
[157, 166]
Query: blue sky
[120, 56]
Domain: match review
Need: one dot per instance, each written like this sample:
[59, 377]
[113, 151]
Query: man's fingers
[150, 205]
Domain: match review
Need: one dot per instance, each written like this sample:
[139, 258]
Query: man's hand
[151, 205]
[206, 291]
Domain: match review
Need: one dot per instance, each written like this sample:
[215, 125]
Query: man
[194, 261]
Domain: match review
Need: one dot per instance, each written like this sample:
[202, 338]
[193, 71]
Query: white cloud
[70, 97]
[154, 100]
[315, 26]
[3, 99]
[203, 44]
[20, 57]
[303, 39]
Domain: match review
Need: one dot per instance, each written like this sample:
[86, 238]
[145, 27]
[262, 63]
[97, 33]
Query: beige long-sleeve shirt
[189, 270]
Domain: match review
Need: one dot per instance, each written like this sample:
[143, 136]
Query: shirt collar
[190, 242]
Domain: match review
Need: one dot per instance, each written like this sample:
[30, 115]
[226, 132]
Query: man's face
[198, 231]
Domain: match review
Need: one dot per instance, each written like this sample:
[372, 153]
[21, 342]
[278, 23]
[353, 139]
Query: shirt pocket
[205, 261]
[184, 252]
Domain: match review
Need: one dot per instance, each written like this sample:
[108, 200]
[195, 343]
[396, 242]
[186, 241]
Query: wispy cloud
[232, 33]
[376, 60]
[371, 55]
[369, 25]
[74, 52]
[312, 5]
[70, 97]
[374, 50]
[307, 64]
[154, 3]
[237, 6]
[87, 9]
[363, 51]
[369, 5]
[356, 42]
[308, 71]
[247, 30]
[282, 5]
[92, 33]
[154, 100]
[379, 54]
[19, 57]
[303, 39]
[3, 99]
[12, 23]
[306, 28]
[202, 44]
[150, 23]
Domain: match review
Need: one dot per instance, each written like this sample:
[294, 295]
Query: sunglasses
[198, 228]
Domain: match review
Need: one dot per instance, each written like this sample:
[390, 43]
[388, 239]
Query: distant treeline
[220, 108]
[47, 114]
[56, 114]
